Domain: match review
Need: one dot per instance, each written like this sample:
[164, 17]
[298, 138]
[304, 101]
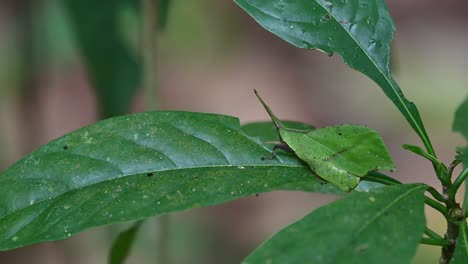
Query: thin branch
[457, 183]
[439, 197]
[434, 242]
[378, 177]
[436, 205]
[150, 53]
[452, 166]
[432, 234]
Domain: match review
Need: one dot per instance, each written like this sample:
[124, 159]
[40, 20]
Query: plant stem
[439, 197]
[150, 11]
[149, 54]
[432, 234]
[455, 214]
[452, 166]
[375, 176]
[434, 242]
[457, 183]
[436, 205]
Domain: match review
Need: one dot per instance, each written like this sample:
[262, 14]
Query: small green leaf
[460, 123]
[112, 67]
[382, 226]
[441, 168]
[361, 31]
[460, 255]
[339, 154]
[136, 166]
[122, 245]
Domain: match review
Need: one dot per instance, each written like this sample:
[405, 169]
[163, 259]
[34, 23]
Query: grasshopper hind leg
[282, 146]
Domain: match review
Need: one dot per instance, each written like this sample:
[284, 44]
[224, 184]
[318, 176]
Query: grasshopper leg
[282, 146]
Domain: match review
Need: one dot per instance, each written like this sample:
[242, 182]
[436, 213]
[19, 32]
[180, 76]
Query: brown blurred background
[212, 56]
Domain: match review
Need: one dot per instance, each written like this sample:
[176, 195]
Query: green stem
[452, 191]
[439, 197]
[149, 54]
[434, 242]
[454, 214]
[432, 234]
[150, 11]
[436, 205]
[452, 166]
[375, 176]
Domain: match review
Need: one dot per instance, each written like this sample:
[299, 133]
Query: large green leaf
[381, 226]
[359, 30]
[112, 67]
[460, 255]
[132, 167]
[460, 123]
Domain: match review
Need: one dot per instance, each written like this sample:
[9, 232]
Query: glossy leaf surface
[112, 67]
[382, 226]
[359, 30]
[136, 166]
[460, 255]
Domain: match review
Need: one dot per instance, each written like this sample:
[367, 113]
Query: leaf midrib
[377, 215]
[252, 166]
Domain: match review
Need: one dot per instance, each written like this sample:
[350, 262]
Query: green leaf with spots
[360, 31]
[460, 256]
[267, 132]
[133, 167]
[340, 154]
[381, 226]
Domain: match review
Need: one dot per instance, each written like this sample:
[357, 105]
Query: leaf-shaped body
[340, 154]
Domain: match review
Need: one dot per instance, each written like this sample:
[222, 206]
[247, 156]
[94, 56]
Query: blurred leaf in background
[112, 67]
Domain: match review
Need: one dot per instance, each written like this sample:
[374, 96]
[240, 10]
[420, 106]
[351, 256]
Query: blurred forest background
[211, 56]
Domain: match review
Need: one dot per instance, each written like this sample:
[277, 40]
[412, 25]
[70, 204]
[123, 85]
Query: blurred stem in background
[24, 12]
[150, 29]
[150, 12]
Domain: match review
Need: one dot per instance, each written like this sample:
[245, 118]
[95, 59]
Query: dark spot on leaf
[327, 16]
[196, 177]
[149, 174]
[65, 147]
[340, 134]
